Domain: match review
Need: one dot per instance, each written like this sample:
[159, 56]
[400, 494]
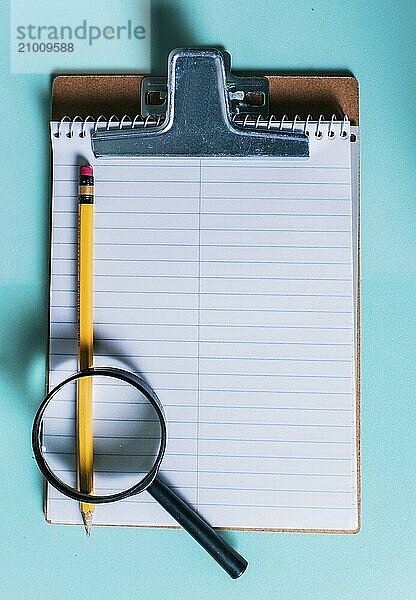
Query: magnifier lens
[126, 433]
[129, 432]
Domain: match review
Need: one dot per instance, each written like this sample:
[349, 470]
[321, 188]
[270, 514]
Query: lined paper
[229, 284]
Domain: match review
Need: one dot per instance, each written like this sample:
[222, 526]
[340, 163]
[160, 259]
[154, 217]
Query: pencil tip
[87, 518]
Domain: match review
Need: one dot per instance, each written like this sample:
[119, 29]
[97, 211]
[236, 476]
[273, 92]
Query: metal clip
[199, 117]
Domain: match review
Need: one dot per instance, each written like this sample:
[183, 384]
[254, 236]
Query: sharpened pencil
[85, 436]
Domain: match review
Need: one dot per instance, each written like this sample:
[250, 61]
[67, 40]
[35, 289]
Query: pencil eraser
[86, 170]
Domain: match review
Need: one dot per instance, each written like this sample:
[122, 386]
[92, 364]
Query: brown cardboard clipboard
[290, 95]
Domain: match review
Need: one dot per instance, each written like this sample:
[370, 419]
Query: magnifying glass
[123, 467]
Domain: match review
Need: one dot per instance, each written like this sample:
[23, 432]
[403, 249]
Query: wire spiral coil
[319, 128]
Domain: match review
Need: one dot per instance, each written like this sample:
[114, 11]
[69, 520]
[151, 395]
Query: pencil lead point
[87, 518]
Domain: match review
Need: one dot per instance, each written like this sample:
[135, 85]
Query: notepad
[231, 285]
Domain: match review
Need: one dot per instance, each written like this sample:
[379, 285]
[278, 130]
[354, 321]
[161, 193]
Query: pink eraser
[86, 170]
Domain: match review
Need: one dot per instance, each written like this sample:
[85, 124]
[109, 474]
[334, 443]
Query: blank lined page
[229, 284]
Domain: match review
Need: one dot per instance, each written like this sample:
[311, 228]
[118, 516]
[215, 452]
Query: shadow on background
[23, 350]
[170, 29]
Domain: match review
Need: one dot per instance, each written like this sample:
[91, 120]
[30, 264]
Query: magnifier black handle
[200, 530]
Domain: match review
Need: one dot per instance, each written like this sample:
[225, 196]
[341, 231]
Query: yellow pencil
[85, 436]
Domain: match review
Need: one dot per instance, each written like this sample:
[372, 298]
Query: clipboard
[294, 96]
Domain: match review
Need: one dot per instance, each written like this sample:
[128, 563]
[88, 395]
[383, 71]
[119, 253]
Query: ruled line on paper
[256, 311]
[198, 332]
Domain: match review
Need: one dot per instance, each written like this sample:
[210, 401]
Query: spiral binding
[319, 128]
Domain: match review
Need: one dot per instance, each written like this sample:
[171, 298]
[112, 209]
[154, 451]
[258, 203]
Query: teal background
[130, 55]
[376, 42]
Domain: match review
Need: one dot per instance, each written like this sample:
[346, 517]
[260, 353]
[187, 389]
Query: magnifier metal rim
[150, 395]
